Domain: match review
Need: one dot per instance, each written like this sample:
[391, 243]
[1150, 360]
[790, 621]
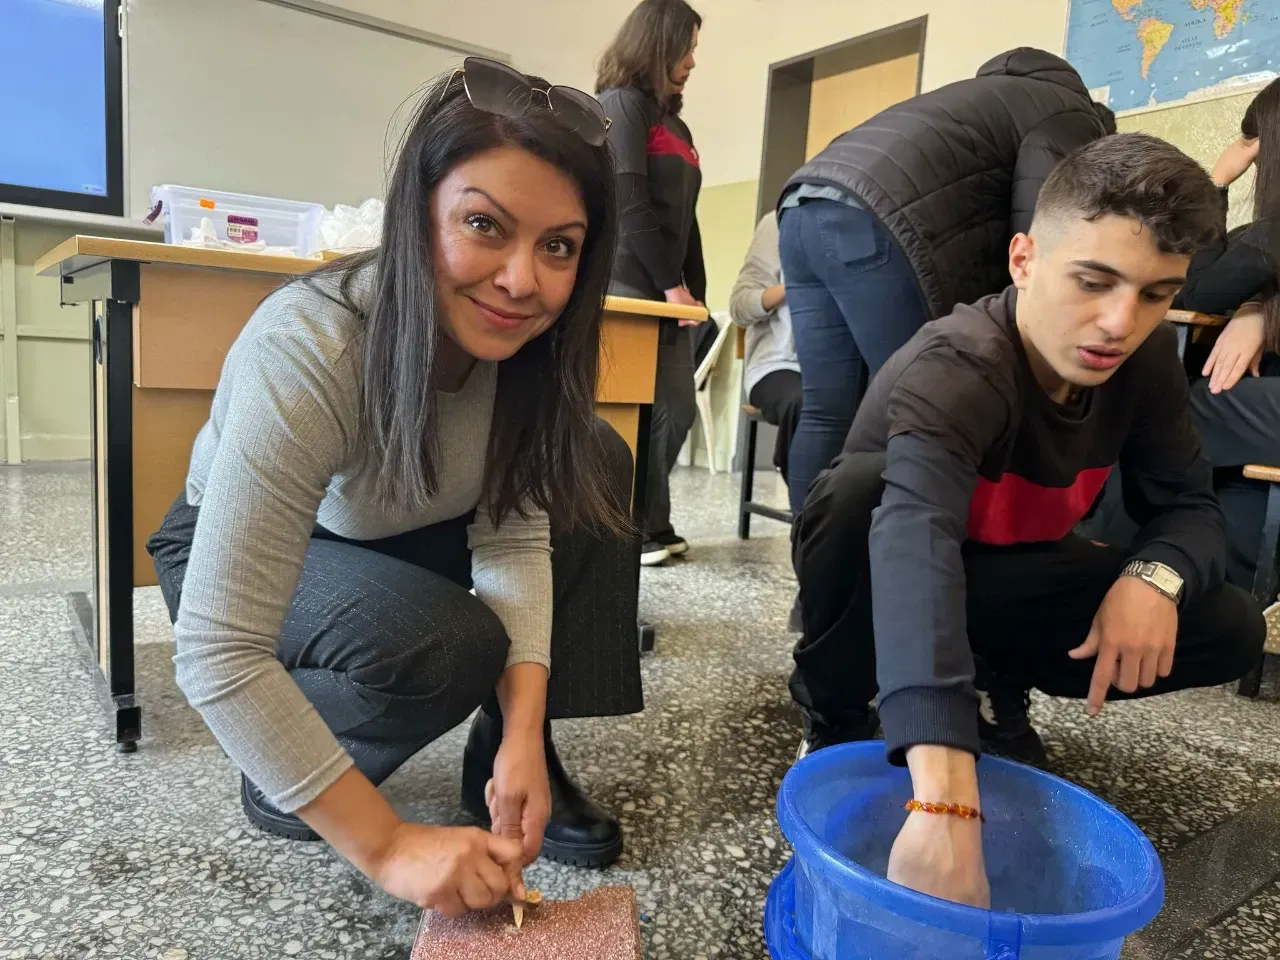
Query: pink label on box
[242, 229]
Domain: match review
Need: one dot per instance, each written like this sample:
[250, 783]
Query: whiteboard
[252, 97]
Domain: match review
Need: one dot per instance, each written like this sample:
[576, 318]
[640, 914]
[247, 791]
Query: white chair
[702, 385]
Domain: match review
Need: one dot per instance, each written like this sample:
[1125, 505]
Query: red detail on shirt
[1015, 510]
[664, 142]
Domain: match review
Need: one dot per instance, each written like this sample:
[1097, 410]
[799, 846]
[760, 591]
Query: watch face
[1166, 579]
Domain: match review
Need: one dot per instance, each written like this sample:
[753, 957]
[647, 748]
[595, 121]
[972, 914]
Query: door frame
[786, 114]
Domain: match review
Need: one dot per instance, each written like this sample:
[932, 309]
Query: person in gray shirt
[390, 435]
[758, 304]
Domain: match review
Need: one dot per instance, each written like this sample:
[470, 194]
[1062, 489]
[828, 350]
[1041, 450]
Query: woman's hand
[448, 869]
[519, 795]
[1237, 349]
[1235, 160]
[682, 296]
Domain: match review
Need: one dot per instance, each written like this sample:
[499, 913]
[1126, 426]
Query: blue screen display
[53, 127]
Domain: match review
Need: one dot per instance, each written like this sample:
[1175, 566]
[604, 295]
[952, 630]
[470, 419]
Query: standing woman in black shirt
[1238, 415]
[641, 83]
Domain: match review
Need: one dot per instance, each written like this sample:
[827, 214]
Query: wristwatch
[1163, 578]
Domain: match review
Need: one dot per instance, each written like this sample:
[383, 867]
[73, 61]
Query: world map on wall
[1146, 53]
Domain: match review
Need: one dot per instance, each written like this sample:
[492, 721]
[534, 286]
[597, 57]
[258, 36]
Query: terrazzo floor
[148, 855]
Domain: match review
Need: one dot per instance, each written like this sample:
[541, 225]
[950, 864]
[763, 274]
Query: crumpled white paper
[348, 229]
[206, 237]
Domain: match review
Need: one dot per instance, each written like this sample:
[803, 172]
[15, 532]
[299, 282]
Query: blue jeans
[854, 301]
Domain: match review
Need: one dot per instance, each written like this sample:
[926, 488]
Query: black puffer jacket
[954, 173]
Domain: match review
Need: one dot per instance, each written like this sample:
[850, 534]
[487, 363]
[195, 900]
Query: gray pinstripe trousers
[387, 643]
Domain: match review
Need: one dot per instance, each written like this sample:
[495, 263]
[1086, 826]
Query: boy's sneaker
[1004, 723]
[820, 732]
[676, 545]
[653, 554]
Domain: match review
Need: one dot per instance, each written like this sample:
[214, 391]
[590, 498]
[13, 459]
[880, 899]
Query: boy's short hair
[1140, 176]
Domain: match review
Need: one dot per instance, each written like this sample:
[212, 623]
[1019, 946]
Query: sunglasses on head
[499, 89]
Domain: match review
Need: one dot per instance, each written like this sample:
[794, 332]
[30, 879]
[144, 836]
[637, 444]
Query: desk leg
[648, 634]
[107, 623]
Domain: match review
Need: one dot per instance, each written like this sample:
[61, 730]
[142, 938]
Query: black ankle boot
[579, 832]
[267, 818]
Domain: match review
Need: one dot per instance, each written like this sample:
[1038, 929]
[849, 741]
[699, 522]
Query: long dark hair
[654, 38]
[545, 450]
[1261, 121]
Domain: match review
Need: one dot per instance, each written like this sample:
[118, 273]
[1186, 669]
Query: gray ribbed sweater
[282, 451]
[769, 346]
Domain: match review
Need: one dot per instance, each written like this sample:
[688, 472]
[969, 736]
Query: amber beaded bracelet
[955, 809]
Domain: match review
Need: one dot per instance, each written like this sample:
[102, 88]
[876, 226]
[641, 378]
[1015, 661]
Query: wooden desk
[1194, 327]
[1188, 323]
[164, 318]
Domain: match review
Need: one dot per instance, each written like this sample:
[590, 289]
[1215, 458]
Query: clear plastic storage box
[238, 217]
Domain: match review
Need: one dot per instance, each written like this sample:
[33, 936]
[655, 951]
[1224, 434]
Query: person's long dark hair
[654, 38]
[545, 450]
[1261, 121]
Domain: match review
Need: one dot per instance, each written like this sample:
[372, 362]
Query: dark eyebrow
[501, 209]
[510, 216]
[1098, 266]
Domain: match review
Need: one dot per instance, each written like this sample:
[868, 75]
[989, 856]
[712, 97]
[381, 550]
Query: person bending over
[909, 214]
[936, 554]
[388, 433]
[771, 372]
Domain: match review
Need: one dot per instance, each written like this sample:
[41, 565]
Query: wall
[53, 351]
[1202, 130]
[854, 84]
[740, 38]
[561, 39]
[53, 355]
[234, 130]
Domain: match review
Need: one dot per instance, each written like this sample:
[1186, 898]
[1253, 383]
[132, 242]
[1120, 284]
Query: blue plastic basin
[1071, 876]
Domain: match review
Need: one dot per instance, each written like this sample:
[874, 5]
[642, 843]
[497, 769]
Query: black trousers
[1240, 426]
[386, 641]
[1027, 605]
[779, 398]
[675, 407]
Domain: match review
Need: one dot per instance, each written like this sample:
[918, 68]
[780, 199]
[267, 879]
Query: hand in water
[941, 855]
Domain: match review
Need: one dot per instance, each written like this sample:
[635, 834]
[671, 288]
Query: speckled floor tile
[148, 856]
[1250, 932]
[46, 513]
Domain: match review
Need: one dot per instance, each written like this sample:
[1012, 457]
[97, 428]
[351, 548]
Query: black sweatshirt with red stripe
[659, 176]
[975, 449]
